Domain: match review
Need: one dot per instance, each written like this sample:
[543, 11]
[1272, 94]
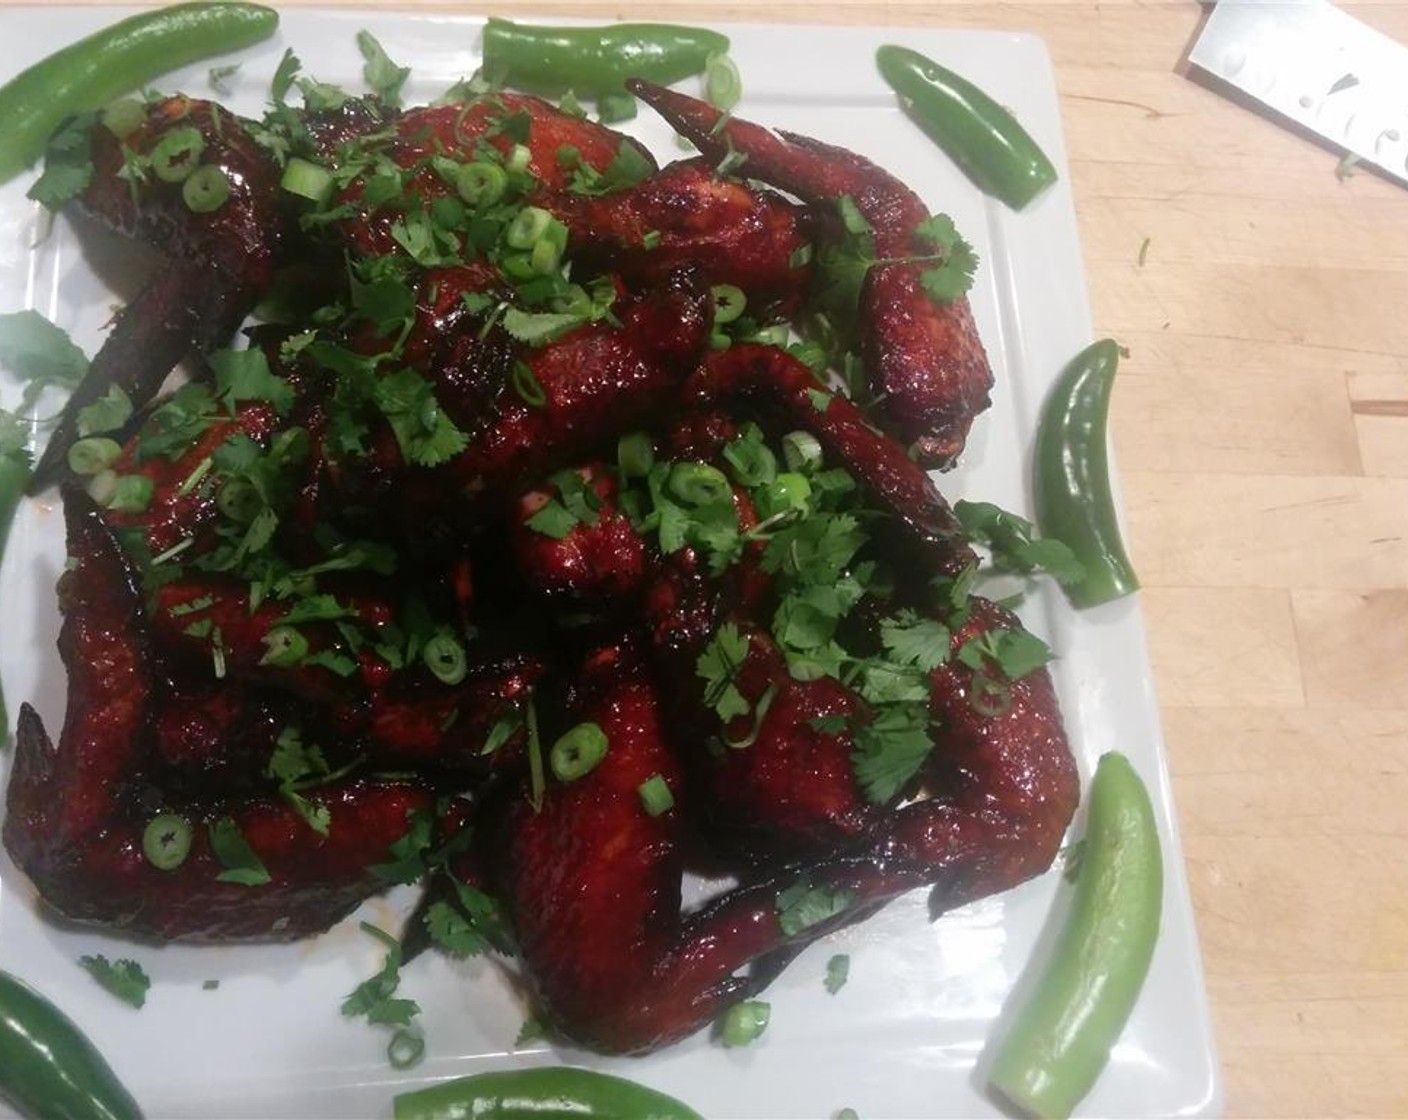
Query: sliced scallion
[177, 154]
[801, 451]
[205, 190]
[723, 85]
[634, 455]
[745, 1022]
[166, 841]
[578, 751]
[93, 455]
[123, 117]
[729, 302]
[481, 183]
[655, 795]
[444, 656]
[698, 484]
[307, 180]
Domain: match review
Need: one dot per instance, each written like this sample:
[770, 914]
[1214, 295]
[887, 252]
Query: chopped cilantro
[911, 640]
[1013, 544]
[890, 749]
[123, 978]
[426, 435]
[838, 971]
[375, 997]
[1015, 652]
[241, 863]
[106, 414]
[718, 665]
[39, 353]
[471, 924]
[244, 375]
[68, 163]
[802, 906]
[382, 75]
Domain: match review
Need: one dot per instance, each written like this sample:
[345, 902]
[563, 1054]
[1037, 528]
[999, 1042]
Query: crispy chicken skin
[75, 815]
[924, 359]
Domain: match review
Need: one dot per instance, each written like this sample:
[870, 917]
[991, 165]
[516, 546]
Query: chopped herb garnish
[241, 863]
[123, 978]
[838, 971]
[802, 906]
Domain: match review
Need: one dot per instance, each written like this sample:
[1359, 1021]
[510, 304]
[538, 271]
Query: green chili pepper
[554, 1093]
[978, 134]
[48, 1068]
[1061, 1038]
[1074, 503]
[123, 57]
[595, 61]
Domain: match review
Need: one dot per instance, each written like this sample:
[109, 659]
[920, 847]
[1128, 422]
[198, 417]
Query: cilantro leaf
[68, 163]
[244, 375]
[890, 749]
[1013, 544]
[911, 640]
[295, 766]
[381, 74]
[426, 435]
[106, 414]
[953, 276]
[536, 328]
[838, 971]
[241, 863]
[553, 520]
[409, 851]
[473, 924]
[37, 351]
[374, 997]
[1015, 652]
[802, 906]
[718, 665]
[123, 978]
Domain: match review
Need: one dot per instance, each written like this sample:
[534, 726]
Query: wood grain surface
[1262, 430]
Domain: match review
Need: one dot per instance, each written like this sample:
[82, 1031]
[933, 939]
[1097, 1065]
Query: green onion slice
[788, 491]
[166, 841]
[177, 154]
[729, 302]
[405, 1049]
[307, 180]
[527, 386]
[801, 451]
[284, 646]
[239, 500]
[206, 190]
[698, 484]
[635, 455]
[131, 493]
[744, 1022]
[527, 227]
[578, 752]
[655, 795]
[723, 85]
[93, 455]
[444, 656]
[481, 183]
[123, 117]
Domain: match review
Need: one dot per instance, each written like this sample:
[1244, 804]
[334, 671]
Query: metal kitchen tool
[1313, 64]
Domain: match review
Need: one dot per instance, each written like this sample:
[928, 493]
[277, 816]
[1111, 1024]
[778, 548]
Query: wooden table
[1262, 433]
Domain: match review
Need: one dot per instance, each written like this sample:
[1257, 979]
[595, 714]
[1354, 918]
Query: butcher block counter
[1261, 429]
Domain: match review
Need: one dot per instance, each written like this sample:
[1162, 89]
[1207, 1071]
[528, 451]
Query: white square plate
[904, 1038]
